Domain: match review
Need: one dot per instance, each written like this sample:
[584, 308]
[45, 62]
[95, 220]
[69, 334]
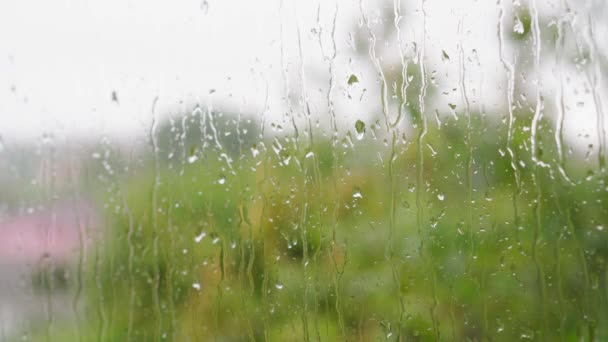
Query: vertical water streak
[537, 164]
[404, 64]
[378, 65]
[561, 107]
[595, 78]
[420, 185]
[285, 77]
[155, 221]
[510, 69]
[468, 142]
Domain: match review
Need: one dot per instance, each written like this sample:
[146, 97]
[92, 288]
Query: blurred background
[303, 170]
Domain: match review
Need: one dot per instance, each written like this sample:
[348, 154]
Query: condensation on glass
[303, 170]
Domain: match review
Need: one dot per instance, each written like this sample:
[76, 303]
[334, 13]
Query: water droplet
[441, 197]
[526, 336]
[200, 237]
[518, 27]
[360, 127]
[279, 286]
[444, 55]
[196, 286]
[599, 228]
[192, 159]
[254, 151]
[357, 192]
[352, 79]
[222, 179]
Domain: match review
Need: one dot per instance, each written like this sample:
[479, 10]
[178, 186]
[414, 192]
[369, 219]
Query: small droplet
[599, 228]
[196, 286]
[352, 79]
[360, 127]
[192, 159]
[254, 151]
[286, 159]
[441, 197]
[200, 237]
[279, 286]
[357, 192]
[222, 179]
[444, 55]
[518, 27]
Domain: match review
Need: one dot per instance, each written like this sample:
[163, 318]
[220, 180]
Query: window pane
[314, 170]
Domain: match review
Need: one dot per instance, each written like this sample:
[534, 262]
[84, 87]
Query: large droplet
[192, 159]
[518, 27]
[357, 192]
[352, 80]
[360, 128]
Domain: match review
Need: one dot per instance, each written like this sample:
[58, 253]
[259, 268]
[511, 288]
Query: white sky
[60, 61]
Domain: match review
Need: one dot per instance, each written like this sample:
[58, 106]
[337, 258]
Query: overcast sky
[61, 61]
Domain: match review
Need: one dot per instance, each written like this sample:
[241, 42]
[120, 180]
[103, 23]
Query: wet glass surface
[303, 171]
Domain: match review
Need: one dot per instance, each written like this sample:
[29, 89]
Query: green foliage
[267, 249]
